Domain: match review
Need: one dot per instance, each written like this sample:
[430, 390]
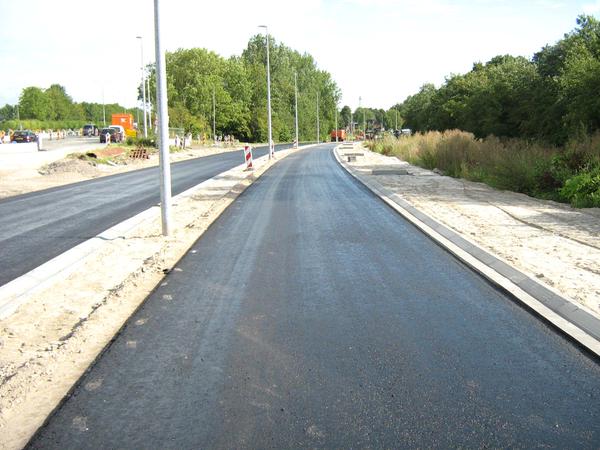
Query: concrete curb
[16, 292]
[572, 319]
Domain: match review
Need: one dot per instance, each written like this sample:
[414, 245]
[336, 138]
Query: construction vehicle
[340, 134]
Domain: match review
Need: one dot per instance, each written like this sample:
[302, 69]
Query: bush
[148, 142]
[583, 190]
[570, 174]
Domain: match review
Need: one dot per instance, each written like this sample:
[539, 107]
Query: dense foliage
[53, 108]
[239, 85]
[570, 174]
[530, 126]
[552, 98]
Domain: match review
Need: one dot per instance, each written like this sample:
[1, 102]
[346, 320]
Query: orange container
[125, 120]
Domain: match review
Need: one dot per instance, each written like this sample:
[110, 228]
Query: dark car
[24, 136]
[114, 135]
[90, 130]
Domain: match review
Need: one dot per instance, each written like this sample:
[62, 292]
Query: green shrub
[568, 174]
[148, 142]
[583, 190]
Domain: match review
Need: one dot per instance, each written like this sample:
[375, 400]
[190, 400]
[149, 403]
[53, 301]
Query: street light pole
[144, 82]
[103, 108]
[214, 117]
[271, 149]
[336, 126]
[163, 125]
[296, 104]
[149, 103]
[318, 131]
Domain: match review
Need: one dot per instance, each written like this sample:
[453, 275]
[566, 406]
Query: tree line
[197, 76]
[552, 97]
[54, 108]
[199, 80]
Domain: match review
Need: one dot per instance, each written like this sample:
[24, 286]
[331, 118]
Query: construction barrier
[248, 156]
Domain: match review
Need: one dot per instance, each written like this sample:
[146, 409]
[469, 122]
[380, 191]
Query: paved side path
[552, 242]
[310, 315]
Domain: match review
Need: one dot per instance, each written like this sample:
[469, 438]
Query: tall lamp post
[149, 104]
[336, 126]
[214, 117]
[271, 148]
[143, 84]
[163, 125]
[103, 108]
[296, 104]
[318, 131]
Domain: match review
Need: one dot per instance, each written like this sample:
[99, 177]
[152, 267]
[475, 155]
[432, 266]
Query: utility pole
[318, 131]
[163, 125]
[271, 148]
[214, 117]
[103, 108]
[19, 118]
[149, 104]
[144, 82]
[336, 127]
[296, 104]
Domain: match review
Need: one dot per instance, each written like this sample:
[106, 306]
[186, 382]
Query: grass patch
[568, 174]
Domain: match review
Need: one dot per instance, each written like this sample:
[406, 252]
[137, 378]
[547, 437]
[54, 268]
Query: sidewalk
[553, 243]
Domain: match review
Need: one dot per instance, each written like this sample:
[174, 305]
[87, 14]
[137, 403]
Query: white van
[120, 129]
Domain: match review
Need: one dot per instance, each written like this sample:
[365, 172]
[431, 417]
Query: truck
[126, 121]
[340, 134]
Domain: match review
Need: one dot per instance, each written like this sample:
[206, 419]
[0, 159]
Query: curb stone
[565, 314]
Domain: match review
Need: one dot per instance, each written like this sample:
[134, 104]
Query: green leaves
[240, 92]
[551, 98]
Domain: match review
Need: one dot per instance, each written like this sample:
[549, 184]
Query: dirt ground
[43, 173]
[553, 242]
[48, 343]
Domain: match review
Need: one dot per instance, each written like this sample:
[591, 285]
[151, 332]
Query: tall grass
[569, 174]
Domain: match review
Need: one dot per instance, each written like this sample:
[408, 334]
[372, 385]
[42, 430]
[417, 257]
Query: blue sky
[380, 50]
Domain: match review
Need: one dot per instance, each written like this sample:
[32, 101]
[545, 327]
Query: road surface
[310, 315]
[38, 226]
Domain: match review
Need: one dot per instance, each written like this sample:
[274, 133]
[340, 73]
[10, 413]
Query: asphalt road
[310, 315]
[38, 226]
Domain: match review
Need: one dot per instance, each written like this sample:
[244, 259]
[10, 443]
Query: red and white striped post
[248, 156]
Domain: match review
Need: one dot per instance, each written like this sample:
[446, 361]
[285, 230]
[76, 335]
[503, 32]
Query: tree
[8, 112]
[345, 117]
[34, 104]
[59, 103]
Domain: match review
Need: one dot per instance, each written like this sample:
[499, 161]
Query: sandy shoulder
[555, 243]
[27, 176]
[48, 343]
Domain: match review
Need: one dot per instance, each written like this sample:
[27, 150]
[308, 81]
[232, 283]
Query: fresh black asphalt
[310, 315]
[36, 227]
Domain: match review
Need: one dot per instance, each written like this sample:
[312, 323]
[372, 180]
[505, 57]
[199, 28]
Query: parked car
[24, 136]
[90, 130]
[114, 135]
[120, 129]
